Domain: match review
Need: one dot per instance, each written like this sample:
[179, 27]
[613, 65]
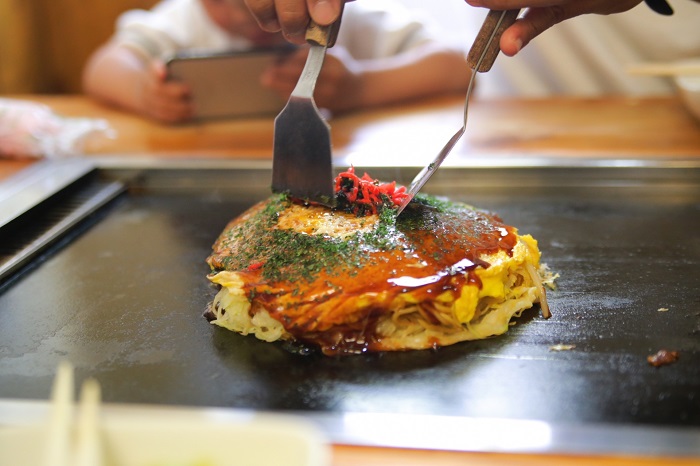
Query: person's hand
[543, 14]
[338, 85]
[168, 101]
[292, 16]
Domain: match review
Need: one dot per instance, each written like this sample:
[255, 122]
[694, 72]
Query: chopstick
[88, 443]
[58, 446]
[59, 451]
[664, 69]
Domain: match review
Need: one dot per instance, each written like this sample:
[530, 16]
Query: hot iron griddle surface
[123, 300]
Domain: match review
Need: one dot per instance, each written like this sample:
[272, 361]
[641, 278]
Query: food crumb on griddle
[561, 347]
[662, 358]
[662, 309]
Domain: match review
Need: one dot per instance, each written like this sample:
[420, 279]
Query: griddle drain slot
[26, 237]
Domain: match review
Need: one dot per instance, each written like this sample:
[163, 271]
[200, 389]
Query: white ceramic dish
[154, 436]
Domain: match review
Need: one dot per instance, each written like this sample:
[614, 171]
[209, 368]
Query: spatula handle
[324, 35]
[481, 42]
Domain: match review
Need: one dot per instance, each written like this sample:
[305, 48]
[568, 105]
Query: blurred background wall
[45, 43]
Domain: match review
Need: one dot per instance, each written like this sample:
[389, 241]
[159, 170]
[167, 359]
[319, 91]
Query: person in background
[291, 16]
[382, 55]
[590, 55]
[586, 55]
[543, 14]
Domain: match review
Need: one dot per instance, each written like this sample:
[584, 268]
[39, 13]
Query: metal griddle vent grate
[36, 229]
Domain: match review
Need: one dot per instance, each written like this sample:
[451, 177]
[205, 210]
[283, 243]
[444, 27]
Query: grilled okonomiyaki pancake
[358, 278]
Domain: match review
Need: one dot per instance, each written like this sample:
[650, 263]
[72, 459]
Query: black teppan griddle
[121, 290]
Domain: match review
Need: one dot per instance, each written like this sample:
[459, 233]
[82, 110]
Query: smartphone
[227, 84]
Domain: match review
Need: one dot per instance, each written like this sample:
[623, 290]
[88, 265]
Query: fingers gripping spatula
[302, 165]
[481, 57]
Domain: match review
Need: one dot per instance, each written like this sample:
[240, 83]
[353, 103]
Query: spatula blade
[302, 165]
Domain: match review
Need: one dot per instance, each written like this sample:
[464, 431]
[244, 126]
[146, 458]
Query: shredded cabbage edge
[404, 327]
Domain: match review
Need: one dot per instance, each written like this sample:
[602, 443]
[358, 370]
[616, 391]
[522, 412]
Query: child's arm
[117, 75]
[347, 84]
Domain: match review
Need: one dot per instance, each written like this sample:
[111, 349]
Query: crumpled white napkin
[30, 129]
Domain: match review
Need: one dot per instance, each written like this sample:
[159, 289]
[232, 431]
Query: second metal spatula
[302, 164]
[481, 57]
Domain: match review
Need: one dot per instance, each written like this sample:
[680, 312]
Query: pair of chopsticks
[61, 451]
[664, 69]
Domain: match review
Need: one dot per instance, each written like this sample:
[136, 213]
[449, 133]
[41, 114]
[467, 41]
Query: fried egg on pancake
[441, 273]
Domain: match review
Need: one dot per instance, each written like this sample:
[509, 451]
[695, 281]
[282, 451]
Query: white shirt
[588, 55]
[369, 29]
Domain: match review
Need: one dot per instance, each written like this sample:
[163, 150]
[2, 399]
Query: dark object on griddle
[662, 358]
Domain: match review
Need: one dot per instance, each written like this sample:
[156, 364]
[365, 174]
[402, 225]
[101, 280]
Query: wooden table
[412, 134]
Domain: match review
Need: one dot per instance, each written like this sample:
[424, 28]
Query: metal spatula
[481, 57]
[302, 164]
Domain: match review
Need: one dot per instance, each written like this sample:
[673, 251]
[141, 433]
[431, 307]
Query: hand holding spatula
[302, 163]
